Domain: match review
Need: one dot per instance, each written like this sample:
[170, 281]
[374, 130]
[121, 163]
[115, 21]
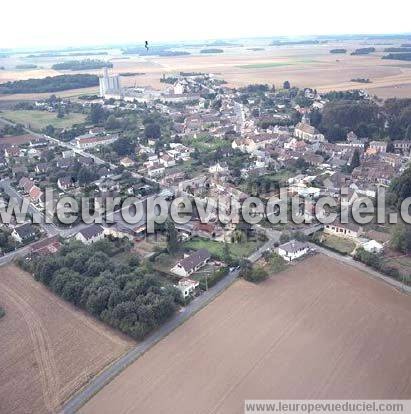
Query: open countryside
[304, 66]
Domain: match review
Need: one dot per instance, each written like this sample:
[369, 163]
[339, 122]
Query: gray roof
[25, 230]
[293, 246]
[91, 231]
[190, 262]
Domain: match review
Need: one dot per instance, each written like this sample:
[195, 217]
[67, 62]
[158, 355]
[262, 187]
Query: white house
[192, 263]
[90, 234]
[373, 246]
[87, 141]
[187, 286]
[217, 168]
[292, 250]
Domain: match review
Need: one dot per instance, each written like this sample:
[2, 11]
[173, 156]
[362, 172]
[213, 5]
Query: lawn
[340, 244]
[237, 250]
[206, 142]
[38, 120]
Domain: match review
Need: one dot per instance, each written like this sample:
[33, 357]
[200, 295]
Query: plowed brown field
[48, 349]
[319, 330]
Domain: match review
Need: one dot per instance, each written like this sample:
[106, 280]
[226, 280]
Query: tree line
[49, 84]
[82, 64]
[126, 295]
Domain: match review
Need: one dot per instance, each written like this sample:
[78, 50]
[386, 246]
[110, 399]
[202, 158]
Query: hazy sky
[54, 23]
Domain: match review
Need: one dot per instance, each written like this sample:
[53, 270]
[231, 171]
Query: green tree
[172, 237]
[112, 122]
[227, 254]
[123, 146]
[152, 131]
[400, 187]
[355, 161]
[286, 85]
[256, 275]
[97, 114]
[49, 130]
[60, 113]
[401, 238]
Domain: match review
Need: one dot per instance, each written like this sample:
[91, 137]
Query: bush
[2, 312]
[374, 260]
[256, 275]
[277, 263]
[214, 278]
[391, 271]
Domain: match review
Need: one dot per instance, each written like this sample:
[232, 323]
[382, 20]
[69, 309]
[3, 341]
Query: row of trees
[126, 295]
[11, 130]
[376, 262]
[85, 64]
[49, 84]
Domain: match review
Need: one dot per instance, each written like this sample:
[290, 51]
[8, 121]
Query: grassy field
[340, 244]
[40, 119]
[237, 250]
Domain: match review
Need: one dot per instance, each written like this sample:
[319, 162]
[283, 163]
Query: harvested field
[303, 65]
[321, 329]
[48, 350]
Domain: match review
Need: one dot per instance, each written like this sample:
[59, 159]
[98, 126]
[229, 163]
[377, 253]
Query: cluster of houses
[258, 128]
[156, 164]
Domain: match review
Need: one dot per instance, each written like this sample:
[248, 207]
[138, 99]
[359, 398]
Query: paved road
[9, 257]
[110, 373]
